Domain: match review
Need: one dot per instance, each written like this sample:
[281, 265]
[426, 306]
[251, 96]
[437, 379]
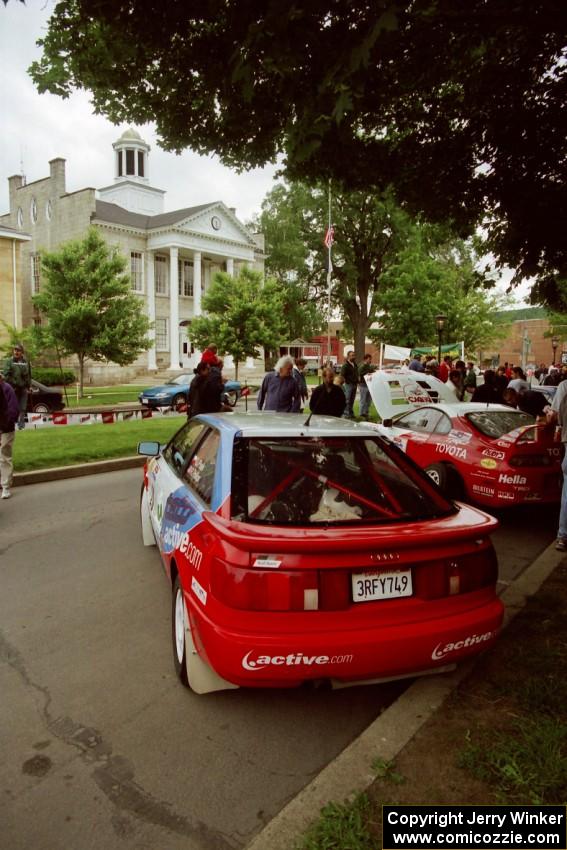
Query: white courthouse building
[173, 256]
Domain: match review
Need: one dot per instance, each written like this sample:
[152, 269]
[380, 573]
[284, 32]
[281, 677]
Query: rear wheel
[178, 632]
[447, 479]
[232, 397]
[41, 408]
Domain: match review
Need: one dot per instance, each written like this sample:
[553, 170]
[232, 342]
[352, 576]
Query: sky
[35, 128]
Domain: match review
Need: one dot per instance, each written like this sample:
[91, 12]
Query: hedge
[53, 377]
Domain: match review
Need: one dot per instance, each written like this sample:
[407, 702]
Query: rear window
[496, 423]
[329, 480]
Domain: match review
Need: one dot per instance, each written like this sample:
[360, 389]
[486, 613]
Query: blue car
[175, 392]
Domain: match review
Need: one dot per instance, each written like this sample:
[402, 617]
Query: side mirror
[387, 423]
[149, 448]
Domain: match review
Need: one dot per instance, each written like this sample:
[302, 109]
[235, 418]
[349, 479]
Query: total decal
[442, 650]
[451, 450]
[293, 659]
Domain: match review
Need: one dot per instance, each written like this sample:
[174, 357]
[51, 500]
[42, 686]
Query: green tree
[438, 280]
[34, 338]
[88, 303]
[243, 313]
[459, 105]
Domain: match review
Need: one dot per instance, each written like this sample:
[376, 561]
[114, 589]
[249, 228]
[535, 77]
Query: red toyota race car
[305, 550]
[486, 453]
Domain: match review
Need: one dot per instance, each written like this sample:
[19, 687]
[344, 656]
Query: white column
[197, 287]
[151, 296]
[230, 266]
[174, 308]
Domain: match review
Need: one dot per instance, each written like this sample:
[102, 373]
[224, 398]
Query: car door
[165, 475]
[413, 431]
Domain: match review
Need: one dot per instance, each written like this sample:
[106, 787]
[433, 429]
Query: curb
[351, 772]
[56, 473]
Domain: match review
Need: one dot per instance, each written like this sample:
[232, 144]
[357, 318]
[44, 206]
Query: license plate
[369, 587]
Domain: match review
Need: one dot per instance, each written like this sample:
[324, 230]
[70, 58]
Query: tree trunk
[359, 330]
[236, 364]
[81, 373]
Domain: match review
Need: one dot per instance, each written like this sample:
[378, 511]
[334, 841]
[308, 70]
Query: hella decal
[452, 451]
[442, 650]
[294, 659]
[511, 479]
[488, 463]
[493, 454]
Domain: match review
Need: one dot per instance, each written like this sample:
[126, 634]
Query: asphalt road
[100, 747]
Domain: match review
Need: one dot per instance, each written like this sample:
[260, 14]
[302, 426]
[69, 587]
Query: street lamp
[554, 344]
[439, 324]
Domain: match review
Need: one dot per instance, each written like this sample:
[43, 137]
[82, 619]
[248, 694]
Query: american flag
[329, 236]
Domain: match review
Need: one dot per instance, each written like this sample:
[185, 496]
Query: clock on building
[216, 222]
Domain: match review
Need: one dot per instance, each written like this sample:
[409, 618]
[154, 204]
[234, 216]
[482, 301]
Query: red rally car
[487, 453]
[306, 550]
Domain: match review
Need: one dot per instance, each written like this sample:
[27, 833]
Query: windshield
[181, 379]
[328, 480]
[496, 423]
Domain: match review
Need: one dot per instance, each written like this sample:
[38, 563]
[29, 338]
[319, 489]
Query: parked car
[175, 392]
[42, 399]
[303, 552]
[487, 453]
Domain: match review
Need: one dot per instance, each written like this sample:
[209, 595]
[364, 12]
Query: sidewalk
[495, 731]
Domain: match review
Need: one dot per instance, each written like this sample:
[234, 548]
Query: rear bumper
[253, 659]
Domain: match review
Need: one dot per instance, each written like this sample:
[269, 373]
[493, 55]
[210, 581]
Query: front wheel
[438, 473]
[41, 408]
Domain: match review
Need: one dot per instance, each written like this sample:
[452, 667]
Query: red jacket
[209, 357]
[444, 372]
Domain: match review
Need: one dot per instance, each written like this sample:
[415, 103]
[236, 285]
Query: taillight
[452, 576]
[264, 589]
[529, 460]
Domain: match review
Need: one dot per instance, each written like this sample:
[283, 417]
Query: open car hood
[394, 391]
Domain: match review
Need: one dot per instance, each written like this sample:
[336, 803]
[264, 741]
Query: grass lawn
[64, 445]
[500, 738]
[97, 396]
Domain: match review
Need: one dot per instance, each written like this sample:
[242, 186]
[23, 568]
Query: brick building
[172, 256]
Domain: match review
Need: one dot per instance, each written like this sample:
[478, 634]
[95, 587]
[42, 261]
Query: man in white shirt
[558, 416]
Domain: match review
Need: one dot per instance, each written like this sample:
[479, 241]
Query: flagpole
[329, 269]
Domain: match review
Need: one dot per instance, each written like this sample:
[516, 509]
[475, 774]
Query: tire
[41, 408]
[438, 473]
[178, 400]
[179, 642]
[232, 397]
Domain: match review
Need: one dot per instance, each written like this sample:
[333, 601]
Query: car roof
[461, 408]
[269, 424]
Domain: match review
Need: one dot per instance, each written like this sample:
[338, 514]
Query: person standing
[349, 371]
[558, 416]
[416, 365]
[9, 413]
[488, 391]
[518, 382]
[366, 368]
[209, 355]
[17, 372]
[279, 392]
[328, 399]
[470, 379]
[298, 375]
[444, 368]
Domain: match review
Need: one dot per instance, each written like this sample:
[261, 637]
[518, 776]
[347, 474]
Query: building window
[160, 274]
[186, 278]
[20, 217]
[37, 321]
[162, 336]
[130, 162]
[33, 210]
[36, 273]
[140, 164]
[136, 271]
[48, 210]
[119, 160]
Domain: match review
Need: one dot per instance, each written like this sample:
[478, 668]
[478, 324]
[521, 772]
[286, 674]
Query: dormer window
[140, 163]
